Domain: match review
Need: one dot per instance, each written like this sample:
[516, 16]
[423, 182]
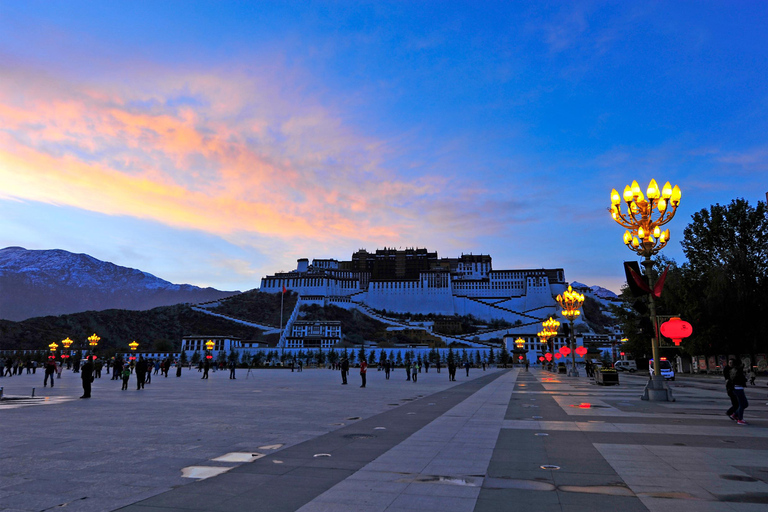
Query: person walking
[415, 371]
[150, 365]
[178, 368]
[86, 374]
[437, 364]
[97, 366]
[141, 372]
[739, 383]
[50, 369]
[344, 371]
[125, 374]
[408, 369]
[363, 371]
[467, 365]
[451, 371]
[206, 367]
[729, 390]
[387, 369]
[232, 367]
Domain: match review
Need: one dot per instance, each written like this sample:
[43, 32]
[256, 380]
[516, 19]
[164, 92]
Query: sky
[213, 143]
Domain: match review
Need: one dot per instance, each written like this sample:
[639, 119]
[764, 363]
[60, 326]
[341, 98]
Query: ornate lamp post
[53, 346]
[133, 346]
[519, 344]
[571, 302]
[209, 347]
[67, 343]
[93, 342]
[643, 218]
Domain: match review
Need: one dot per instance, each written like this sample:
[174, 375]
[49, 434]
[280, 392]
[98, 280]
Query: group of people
[412, 369]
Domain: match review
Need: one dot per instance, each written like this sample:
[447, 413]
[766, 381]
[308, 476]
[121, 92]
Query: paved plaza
[285, 441]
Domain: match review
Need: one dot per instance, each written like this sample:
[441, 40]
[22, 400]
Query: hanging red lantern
[676, 329]
[565, 351]
[548, 357]
[520, 357]
[581, 351]
[558, 355]
[541, 358]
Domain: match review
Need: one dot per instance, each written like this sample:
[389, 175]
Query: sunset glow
[245, 141]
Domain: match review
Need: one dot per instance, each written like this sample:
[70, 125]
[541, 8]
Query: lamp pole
[643, 218]
[571, 302]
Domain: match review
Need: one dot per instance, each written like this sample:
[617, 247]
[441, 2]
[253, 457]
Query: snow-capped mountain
[598, 291]
[56, 282]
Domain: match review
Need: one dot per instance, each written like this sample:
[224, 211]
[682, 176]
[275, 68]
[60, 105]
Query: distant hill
[56, 282]
[160, 329]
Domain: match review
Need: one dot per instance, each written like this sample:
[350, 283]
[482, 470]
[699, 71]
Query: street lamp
[643, 219]
[66, 342]
[209, 347]
[571, 302]
[133, 346]
[53, 346]
[93, 342]
[519, 344]
[550, 330]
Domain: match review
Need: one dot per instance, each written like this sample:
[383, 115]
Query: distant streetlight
[93, 342]
[209, 347]
[66, 342]
[571, 302]
[53, 346]
[643, 217]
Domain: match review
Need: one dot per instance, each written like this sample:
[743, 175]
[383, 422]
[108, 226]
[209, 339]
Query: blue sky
[216, 142]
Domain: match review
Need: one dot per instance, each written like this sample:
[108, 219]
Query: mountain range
[55, 282]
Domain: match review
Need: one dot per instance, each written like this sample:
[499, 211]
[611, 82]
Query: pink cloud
[221, 152]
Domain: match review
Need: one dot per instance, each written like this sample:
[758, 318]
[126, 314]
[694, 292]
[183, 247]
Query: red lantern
[548, 357]
[520, 357]
[209, 357]
[565, 351]
[676, 329]
[558, 355]
[581, 351]
[541, 358]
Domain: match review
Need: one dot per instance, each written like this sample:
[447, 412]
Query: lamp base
[657, 390]
[573, 373]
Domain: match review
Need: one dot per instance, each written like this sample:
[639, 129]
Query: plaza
[283, 441]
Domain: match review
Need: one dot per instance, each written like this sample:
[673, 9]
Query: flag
[660, 284]
[284, 290]
[638, 285]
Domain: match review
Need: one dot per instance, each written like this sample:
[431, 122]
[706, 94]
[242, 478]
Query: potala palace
[417, 281]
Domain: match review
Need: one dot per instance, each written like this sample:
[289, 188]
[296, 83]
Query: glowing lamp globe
[676, 329]
[581, 351]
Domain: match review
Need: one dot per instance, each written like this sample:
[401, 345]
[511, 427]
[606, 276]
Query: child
[126, 376]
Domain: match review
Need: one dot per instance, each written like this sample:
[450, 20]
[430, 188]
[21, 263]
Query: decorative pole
[645, 237]
[571, 302]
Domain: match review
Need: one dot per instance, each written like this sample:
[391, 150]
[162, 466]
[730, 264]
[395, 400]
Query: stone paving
[498, 440]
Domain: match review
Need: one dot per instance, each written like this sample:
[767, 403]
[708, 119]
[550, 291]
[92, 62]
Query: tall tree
[727, 251]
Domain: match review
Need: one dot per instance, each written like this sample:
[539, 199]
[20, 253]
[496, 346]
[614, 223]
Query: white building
[416, 281]
[317, 334]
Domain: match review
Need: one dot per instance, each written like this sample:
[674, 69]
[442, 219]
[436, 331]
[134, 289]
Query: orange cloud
[225, 153]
